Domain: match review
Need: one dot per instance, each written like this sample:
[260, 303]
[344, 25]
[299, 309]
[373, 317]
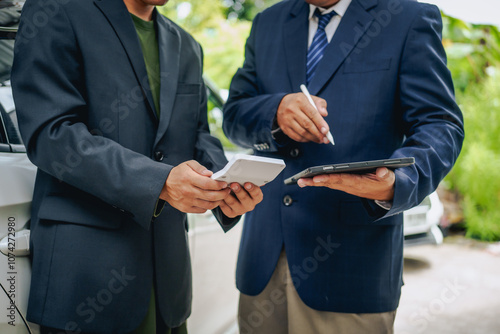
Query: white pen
[304, 90]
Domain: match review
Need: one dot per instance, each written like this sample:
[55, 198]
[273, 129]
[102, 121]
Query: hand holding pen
[304, 90]
[301, 119]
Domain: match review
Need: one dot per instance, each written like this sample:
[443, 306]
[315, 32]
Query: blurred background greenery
[222, 26]
[474, 61]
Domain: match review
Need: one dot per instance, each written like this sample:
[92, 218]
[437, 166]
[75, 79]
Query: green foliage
[471, 50]
[245, 9]
[223, 41]
[194, 15]
[224, 50]
[474, 61]
[477, 175]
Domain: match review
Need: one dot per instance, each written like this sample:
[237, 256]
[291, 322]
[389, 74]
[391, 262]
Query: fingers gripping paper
[250, 168]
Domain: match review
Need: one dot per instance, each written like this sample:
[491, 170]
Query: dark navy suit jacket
[389, 95]
[88, 120]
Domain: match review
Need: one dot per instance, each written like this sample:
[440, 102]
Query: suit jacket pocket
[370, 65]
[93, 212]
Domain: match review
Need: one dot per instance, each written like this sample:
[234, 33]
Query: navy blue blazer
[89, 123]
[389, 95]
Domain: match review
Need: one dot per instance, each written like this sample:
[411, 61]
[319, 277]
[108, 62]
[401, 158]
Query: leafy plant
[476, 174]
[223, 40]
[223, 43]
[474, 60]
[471, 50]
[245, 9]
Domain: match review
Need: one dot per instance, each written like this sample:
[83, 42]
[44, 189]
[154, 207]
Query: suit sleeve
[247, 120]
[210, 154]
[431, 120]
[50, 99]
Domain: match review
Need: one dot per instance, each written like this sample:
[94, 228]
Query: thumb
[382, 173]
[195, 166]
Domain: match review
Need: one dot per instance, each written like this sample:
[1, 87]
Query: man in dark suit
[112, 109]
[326, 256]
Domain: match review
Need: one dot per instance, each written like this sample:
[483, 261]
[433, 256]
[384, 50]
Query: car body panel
[17, 177]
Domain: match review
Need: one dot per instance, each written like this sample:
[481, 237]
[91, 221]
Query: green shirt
[146, 32]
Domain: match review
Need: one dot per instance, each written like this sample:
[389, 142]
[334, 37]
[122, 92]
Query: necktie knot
[323, 19]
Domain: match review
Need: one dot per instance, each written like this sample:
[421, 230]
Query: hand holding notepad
[245, 168]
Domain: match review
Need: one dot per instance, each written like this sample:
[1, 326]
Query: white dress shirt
[340, 8]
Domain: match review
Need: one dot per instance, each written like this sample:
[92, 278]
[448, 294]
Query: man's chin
[152, 2]
[155, 2]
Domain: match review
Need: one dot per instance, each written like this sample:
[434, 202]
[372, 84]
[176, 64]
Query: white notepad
[250, 168]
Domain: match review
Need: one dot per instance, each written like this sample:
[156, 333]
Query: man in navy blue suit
[326, 255]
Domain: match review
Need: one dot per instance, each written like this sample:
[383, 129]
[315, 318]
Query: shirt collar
[340, 8]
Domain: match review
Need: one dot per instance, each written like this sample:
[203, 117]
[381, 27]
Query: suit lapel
[115, 12]
[295, 42]
[352, 28]
[169, 45]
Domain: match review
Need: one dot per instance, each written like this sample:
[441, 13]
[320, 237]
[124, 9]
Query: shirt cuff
[277, 134]
[387, 205]
[160, 204]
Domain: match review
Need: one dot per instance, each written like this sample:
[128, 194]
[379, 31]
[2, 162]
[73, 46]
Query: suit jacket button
[294, 152]
[158, 156]
[287, 200]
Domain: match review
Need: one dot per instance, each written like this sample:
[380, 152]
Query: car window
[3, 130]
[10, 129]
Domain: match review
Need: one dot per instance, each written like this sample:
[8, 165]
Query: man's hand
[241, 200]
[190, 189]
[376, 186]
[298, 119]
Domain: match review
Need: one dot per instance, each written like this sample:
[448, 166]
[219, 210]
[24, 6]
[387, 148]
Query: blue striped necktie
[318, 45]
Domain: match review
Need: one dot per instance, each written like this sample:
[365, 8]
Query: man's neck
[140, 9]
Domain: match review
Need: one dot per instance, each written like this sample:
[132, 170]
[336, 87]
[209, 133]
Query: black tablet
[360, 167]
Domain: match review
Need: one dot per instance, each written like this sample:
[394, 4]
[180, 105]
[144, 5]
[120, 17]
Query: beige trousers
[278, 309]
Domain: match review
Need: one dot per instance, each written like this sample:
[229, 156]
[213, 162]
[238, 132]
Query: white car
[17, 177]
[421, 223]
